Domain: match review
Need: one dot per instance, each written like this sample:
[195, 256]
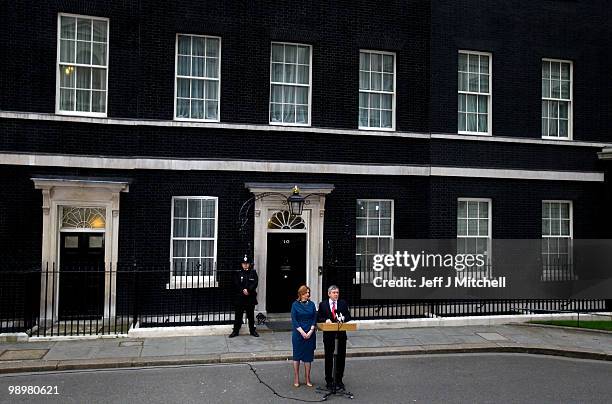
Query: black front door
[286, 270]
[81, 275]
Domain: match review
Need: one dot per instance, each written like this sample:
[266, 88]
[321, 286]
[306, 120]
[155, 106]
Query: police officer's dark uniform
[245, 280]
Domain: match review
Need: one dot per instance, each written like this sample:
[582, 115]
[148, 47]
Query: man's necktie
[334, 310]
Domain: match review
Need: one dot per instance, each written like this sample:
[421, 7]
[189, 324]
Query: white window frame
[193, 281]
[489, 261]
[176, 77]
[490, 94]
[57, 64]
[570, 271]
[358, 277]
[309, 85]
[393, 102]
[570, 112]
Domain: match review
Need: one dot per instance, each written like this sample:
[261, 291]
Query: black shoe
[233, 334]
[341, 386]
[329, 386]
[254, 333]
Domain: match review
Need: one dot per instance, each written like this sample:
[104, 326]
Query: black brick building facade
[424, 166]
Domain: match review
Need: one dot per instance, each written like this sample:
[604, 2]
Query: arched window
[285, 220]
[83, 218]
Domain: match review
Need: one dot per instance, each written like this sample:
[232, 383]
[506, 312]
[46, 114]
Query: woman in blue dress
[303, 320]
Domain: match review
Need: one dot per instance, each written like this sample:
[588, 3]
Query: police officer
[245, 283]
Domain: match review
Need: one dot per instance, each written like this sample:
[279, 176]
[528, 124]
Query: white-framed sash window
[557, 99]
[557, 236]
[374, 234]
[376, 90]
[474, 98]
[474, 221]
[198, 78]
[290, 84]
[82, 65]
[193, 246]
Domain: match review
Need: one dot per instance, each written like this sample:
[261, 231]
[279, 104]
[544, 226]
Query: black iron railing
[87, 300]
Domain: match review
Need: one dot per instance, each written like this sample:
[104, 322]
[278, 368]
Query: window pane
[211, 109]
[483, 227]
[473, 63]
[462, 209]
[364, 61]
[376, 81]
[302, 74]
[208, 228]
[67, 76]
[289, 94]
[484, 83]
[179, 248]
[67, 51]
[463, 82]
[555, 70]
[277, 93]
[290, 74]
[276, 112]
[388, 63]
[471, 123]
[565, 90]
[375, 100]
[373, 227]
[277, 53]
[376, 60]
[198, 45]
[482, 123]
[82, 100]
[212, 47]
[68, 27]
[184, 65]
[184, 45]
[473, 82]
[363, 117]
[484, 64]
[212, 90]
[375, 118]
[98, 79]
[67, 100]
[303, 55]
[472, 103]
[301, 95]
[197, 109]
[363, 100]
[83, 52]
[472, 209]
[277, 72]
[545, 69]
[194, 228]
[289, 113]
[182, 108]
[361, 226]
[99, 31]
[212, 67]
[364, 80]
[197, 67]
[290, 54]
[98, 101]
[180, 208]
[197, 89]
[545, 88]
[462, 122]
[208, 248]
[483, 103]
[565, 71]
[182, 88]
[385, 227]
[301, 114]
[472, 227]
[193, 248]
[83, 29]
[555, 91]
[388, 82]
[483, 209]
[463, 60]
[461, 227]
[386, 119]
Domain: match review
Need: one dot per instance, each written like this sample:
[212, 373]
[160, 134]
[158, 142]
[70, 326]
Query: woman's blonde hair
[302, 290]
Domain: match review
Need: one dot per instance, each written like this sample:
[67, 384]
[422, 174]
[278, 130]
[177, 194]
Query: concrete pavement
[135, 352]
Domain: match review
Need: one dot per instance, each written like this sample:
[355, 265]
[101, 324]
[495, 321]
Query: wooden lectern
[336, 327]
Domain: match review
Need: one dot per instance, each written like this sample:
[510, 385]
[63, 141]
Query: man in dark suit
[245, 296]
[334, 310]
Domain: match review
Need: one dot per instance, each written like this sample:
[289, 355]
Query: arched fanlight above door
[285, 220]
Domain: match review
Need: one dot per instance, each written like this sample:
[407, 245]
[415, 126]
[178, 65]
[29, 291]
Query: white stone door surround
[77, 192]
[314, 215]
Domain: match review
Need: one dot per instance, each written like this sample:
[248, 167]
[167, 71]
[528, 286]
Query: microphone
[340, 318]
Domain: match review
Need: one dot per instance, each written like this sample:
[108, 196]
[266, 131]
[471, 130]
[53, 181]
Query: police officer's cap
[245, 259]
